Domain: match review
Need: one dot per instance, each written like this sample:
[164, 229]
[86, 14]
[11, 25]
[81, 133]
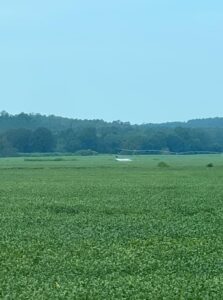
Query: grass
[45, 159]
[94, 228]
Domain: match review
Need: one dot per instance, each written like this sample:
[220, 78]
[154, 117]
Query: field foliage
[95, 228]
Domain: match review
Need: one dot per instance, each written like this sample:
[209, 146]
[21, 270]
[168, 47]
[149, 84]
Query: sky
[141, 61]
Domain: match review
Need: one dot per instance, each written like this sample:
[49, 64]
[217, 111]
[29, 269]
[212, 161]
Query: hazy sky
[130, 60]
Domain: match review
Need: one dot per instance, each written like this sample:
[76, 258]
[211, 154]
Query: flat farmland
[94, 228]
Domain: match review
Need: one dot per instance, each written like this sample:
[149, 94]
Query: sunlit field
[94, 228]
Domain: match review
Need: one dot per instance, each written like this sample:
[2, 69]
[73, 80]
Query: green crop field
[95, 228]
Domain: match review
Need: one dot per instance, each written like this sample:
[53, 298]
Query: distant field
[95, 228]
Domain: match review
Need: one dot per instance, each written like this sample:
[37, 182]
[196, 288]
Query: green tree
[88, 138]
[42, 140]
[6, 148]
[20, 139]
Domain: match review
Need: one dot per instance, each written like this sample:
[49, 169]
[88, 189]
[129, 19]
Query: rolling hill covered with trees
[35, 133]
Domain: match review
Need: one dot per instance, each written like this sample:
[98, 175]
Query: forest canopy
[35, 133]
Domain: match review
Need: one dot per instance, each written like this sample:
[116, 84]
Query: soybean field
[95, 228]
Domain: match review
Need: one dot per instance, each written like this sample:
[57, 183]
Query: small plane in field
[122, 159]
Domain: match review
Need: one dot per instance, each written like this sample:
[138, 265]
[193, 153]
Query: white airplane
[122, 159]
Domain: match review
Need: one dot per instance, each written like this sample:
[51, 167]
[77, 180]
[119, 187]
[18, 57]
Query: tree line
[28, 133]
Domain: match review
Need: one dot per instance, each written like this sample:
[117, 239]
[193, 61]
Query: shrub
[210, 165]
[87, 152]
[162, 164]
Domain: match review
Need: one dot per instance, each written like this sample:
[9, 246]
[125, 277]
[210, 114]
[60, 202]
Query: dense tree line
[27, 133]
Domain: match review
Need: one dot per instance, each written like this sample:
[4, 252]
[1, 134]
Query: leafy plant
[162, 164]
[95, 229]
[210, 165]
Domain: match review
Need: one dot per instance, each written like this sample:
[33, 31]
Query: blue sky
[130, 60]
